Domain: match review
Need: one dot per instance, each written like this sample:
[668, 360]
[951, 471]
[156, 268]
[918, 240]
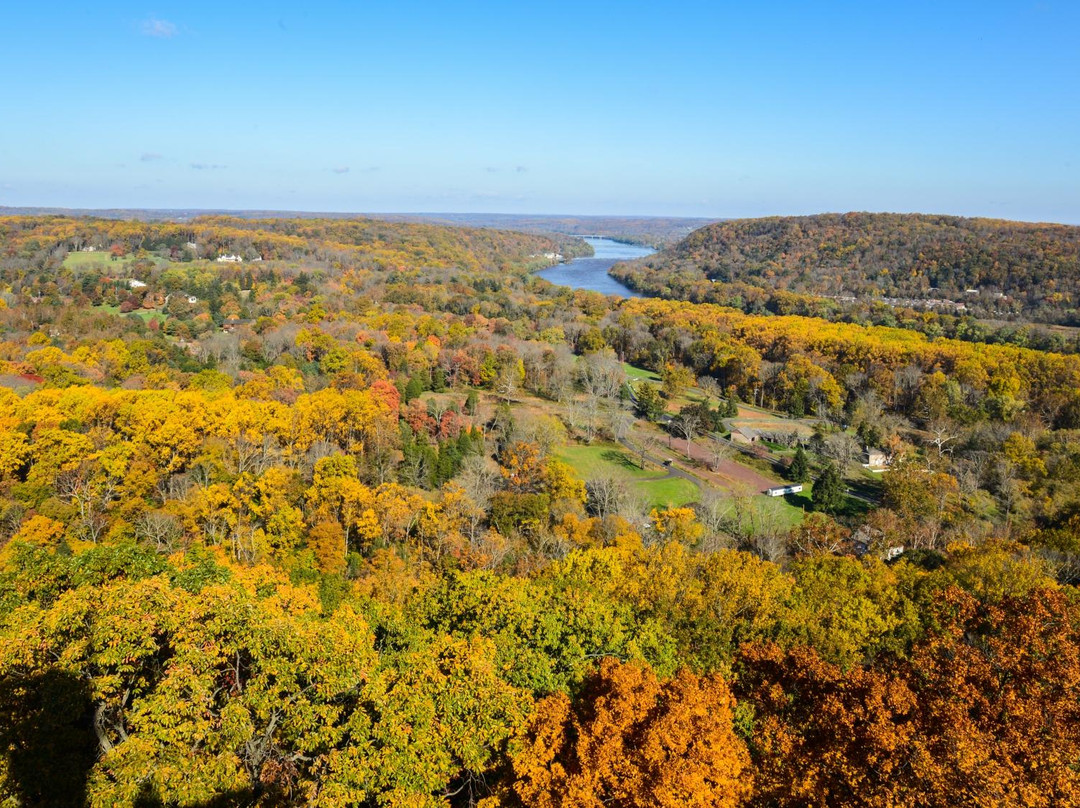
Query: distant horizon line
[32, 210]
[341, 213]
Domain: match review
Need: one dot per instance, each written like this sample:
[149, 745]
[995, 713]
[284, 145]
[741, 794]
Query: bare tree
[1010, 490]
[437, 407]
[590, 423]
[508, 383]
[601, 374]
[710, 387]
[618, 422]
[719, 451]
[942, 433]
[174, 486]
[645, 444]
[224, 348]
[606, 496]
[840, 447]
[687, 424]
[768, 543]
[11, 517]
[536, 371]
[560, 363]
[601, 377]
[91, 495]
[480, 479]
[160, 530]
[714, 514]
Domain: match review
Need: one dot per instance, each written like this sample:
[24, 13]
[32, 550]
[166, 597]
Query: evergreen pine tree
[828, 494]
[799, 470]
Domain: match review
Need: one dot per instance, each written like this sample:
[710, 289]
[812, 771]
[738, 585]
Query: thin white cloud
[159, 29]
[149, 157]
[207, 166]
[340, 170]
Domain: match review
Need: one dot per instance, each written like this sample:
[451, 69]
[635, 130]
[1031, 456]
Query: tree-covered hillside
[985, 267]
[369, 515]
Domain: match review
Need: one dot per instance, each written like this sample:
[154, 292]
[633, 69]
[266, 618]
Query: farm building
[744, 436]
[784, 490]
[875, 458]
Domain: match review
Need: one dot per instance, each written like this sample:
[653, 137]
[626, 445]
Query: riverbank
[592, 273]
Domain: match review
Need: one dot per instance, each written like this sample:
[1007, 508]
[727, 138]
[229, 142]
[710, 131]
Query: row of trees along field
[307, 540]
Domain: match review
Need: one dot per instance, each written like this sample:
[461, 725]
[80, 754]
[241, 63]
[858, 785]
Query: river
[591, 273]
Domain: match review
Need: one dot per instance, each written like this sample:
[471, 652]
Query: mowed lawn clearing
[603, 460]
[146, 314]
[634, 374]
[88, 260]
[600, 460]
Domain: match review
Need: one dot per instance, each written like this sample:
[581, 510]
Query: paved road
[672, 470]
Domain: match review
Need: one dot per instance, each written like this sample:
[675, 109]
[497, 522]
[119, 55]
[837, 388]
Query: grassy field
[603, 459]
[797, 503]
[764, 422]
[634, 374]
[146, 315]
[670, 493]
[610, 460]
[88, 260]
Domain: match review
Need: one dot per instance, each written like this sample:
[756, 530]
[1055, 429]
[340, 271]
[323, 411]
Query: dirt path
[731, 474]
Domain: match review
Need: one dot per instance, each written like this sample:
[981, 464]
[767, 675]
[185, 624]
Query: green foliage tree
[799, 470]
[828, 492]
[649, 404]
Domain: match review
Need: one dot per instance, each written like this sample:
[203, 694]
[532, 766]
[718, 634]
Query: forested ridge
[368, 515]
[947, 264]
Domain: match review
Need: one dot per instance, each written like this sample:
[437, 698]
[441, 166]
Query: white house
[135, 284]
[784, 490]
[230, 259]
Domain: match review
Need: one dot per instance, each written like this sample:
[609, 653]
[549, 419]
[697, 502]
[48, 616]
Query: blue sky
[684, 108]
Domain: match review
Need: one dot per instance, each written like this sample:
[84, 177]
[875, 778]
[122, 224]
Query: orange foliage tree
[632, 740]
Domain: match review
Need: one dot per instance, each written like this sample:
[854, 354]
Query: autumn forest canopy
[345, 512]
[943, 275]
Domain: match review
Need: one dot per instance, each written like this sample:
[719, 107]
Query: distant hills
[652, 230]
[984, 267]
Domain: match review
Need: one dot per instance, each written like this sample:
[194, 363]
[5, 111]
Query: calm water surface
[591, 273]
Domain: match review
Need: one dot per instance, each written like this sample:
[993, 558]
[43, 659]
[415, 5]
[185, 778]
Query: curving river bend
[591, 273]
